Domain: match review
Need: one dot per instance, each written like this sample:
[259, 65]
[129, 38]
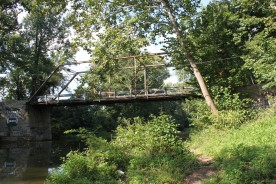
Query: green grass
[243, 155]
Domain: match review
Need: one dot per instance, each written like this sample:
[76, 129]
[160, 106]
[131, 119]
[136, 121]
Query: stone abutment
[21, 122]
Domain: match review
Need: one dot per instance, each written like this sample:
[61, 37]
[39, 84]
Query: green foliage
[160, 132]
[103, 120]
[212, 35]
[233, 111]
[200, 117]
[257, 34]
[230, 119]
[98, 164]
[155, 150]
[81, 168]
[261, 56]
[141, 152]
[244, 155]
[96, 118]
[8, 26]
[111, 73]
[199, 113]
[226, 100]
[30, 49]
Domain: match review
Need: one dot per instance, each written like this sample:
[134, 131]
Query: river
[31, 162]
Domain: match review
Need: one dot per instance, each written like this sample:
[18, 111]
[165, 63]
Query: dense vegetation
[225, 50]
[141, 152]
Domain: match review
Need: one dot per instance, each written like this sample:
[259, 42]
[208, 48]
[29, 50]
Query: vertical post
[109, 82]
[100, 95]
[145, 80]
[130, 91]
[135, 77]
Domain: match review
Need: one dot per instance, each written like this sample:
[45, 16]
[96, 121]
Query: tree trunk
[196, 71]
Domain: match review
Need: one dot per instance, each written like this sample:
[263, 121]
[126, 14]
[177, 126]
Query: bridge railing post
[130, 92]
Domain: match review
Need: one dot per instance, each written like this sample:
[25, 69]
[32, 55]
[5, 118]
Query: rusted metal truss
[35, 99]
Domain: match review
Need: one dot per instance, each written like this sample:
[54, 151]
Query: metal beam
[67, 84]
[43, 84]
[121, 57]
[141, 55]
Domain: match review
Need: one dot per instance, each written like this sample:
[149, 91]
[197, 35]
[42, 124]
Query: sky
[205, 2]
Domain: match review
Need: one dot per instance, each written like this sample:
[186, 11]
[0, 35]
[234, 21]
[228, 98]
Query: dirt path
[205, 171]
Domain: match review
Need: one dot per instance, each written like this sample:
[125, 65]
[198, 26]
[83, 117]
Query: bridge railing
[116, 94]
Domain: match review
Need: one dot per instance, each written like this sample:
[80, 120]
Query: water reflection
[30, 163]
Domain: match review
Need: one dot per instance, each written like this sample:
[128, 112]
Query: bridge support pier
[40, 123]
[21, 122]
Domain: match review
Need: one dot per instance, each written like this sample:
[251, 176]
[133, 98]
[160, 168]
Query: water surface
[30, 163]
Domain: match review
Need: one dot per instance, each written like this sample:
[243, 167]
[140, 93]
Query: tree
[18, 67]
[8, 26]
[14, 51]
[257, 33]
[30, 49]
[47, 33]
[212, 34]
[149, 19]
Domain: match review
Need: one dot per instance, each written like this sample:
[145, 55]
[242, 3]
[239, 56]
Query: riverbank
[152, 152]
[243, 155]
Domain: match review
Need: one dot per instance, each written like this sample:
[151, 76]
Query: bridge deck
[112, 100]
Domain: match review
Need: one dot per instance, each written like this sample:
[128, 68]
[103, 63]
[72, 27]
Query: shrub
[157, 154]
[232, 113]
[225, 100]
[142, 152]
[229, 119]
[199, 113]
[97, 164]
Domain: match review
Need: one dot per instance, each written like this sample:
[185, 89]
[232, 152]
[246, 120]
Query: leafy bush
[229, 119]
[157, 154]
[199, 113]
[226, 100]
[232, 113]
[142, 152]
[83, 168]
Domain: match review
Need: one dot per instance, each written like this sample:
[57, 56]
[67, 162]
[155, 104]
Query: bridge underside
[117, 100]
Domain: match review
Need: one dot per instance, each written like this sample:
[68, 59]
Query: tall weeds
[243, 155]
